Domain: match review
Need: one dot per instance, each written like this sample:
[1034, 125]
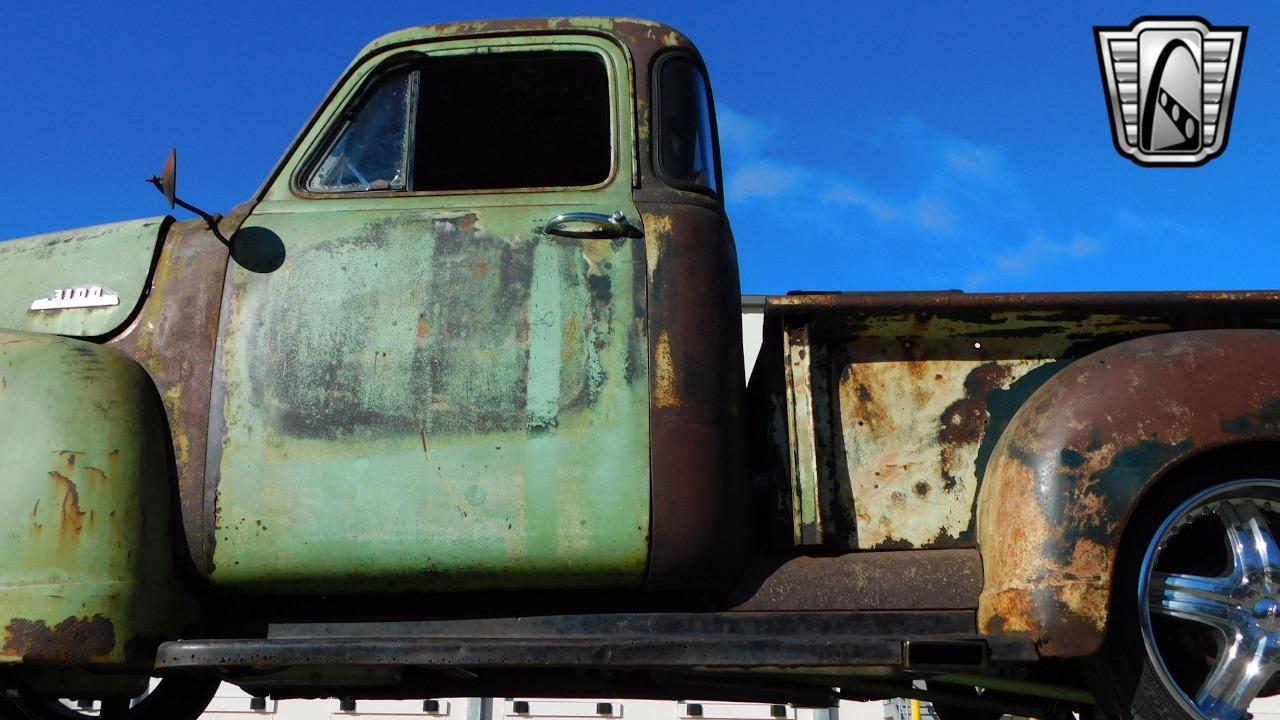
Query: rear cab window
[684, 141]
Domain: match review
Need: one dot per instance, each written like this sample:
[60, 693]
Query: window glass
[371, 150]
[685, 145]
[513, 120]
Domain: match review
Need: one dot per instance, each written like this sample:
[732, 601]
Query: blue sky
[866, 145]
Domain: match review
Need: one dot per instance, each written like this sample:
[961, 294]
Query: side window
[494, 121]
[371, 150]
[513, 120]
[684, 143]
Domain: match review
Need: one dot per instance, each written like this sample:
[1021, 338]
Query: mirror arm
[210, 220]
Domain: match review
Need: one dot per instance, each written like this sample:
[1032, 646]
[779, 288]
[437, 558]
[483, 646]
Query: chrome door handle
[591, 225]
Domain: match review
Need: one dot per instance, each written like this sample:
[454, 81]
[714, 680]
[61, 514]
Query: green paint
[1119, 484]
[1002, 405]
[86, 494]
[1071, 458]
[430, 395]
[546, 324]
[116, 257]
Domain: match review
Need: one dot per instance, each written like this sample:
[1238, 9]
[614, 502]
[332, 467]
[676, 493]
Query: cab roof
[634, 32]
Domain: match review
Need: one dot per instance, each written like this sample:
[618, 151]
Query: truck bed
[875, 413]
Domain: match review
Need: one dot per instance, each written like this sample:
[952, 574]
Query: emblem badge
[90, 296]
[1170, 84]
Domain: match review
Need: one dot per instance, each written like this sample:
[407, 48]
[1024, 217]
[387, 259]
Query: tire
[1195, 621]
[172, 699]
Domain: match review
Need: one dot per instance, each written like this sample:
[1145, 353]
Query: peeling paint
[664, 374]
[1072, 466]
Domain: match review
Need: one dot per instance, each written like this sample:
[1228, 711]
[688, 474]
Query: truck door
[440, 380]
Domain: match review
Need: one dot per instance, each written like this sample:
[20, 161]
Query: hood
[80, 283]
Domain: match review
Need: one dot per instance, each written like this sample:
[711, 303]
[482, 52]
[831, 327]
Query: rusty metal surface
[806, 513]
[792, 640]
[702, 534]
[906, 408]
[87, 501]
[74, 640]
[947, 579]
[1079, 455]
[912, 417]
[844, 303]
[173, 338]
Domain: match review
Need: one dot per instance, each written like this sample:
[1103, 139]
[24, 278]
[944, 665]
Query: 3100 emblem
[89, 296]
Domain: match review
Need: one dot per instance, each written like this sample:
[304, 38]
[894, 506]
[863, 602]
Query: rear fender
[1080, 454]
[86, 565]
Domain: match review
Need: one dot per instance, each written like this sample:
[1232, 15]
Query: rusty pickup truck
[453, 406]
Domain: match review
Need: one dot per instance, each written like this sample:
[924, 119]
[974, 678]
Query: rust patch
[664, 374]
[72, 640]
[913, 416]
[1010, 612]
[173, 338]
[72, 515]
[856, 581]
[893, 544]
[964, 421]
[68, 456]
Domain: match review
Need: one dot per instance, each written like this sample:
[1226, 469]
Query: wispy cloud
[1038, 252]
[958, 203]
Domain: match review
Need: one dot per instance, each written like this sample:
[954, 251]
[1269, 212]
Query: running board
[619, 641]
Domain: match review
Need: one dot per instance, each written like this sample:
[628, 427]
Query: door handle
[591, 225]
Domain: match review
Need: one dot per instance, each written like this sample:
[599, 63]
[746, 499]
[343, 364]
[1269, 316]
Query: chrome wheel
[1209, 599]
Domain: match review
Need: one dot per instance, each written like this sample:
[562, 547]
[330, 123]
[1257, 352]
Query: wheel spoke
[1238, 676]
[1253, 547]
[1193, 597]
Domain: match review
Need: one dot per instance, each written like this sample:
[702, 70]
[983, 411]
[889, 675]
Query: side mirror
[169, 177]
[167, 181]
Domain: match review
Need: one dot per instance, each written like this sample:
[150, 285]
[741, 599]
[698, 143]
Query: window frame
[343, 119]
[338, 121]
[655, 100]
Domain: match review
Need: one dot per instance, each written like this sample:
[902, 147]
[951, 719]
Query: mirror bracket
[167, 183]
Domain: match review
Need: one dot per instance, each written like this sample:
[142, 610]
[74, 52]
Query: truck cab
[458, 347]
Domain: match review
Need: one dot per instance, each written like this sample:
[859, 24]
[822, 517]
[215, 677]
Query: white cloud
[959, 204]
[933, 214]
[763, 179]
[1033, 255]
[741, 136]
[848, 195]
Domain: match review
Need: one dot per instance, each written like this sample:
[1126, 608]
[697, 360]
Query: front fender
[86, 566]
[1079, 455]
